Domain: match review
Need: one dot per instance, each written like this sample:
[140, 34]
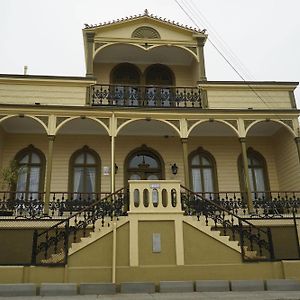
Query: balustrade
[154, 196]
[145, 96]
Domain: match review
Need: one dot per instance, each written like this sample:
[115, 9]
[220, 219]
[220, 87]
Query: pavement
[266, 295]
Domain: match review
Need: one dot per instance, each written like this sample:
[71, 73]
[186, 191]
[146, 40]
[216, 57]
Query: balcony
[145, 96]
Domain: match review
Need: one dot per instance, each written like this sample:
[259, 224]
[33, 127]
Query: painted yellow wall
[99, 253]
[200, 248]
[245, 98]
[167, 256]
[287, 161]
[30, 92]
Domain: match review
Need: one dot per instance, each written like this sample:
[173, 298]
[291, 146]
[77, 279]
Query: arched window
[143, 163]
[258, 174]
[203, 172]
[161, 78]
[84, 171]
[31, 174]
[125, 77]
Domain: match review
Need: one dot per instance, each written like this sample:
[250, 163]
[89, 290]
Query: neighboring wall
[24, 90]
[287, 161]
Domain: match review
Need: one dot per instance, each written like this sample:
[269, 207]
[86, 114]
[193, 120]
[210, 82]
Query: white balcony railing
[154, 196]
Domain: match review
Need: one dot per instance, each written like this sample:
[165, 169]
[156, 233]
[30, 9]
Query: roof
[145, 15]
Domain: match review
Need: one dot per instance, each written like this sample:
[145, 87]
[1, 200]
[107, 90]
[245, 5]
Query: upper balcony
[145, 96]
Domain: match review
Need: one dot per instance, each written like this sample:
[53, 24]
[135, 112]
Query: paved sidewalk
[266, 295]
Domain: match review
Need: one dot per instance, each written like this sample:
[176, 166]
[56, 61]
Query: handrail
[255, 235]
[223, 209]
[81, 211]
[52, 237]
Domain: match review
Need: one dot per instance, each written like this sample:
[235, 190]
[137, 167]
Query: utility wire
[188, 14]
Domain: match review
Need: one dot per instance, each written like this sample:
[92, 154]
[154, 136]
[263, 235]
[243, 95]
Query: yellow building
[150, 161]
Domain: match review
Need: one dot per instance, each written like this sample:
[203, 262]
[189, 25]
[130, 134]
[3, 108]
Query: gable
[156, 29]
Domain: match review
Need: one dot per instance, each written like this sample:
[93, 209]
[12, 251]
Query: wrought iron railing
[145, 96]
[30, 205]
[51, 245]
[267, 204]
[250, 237]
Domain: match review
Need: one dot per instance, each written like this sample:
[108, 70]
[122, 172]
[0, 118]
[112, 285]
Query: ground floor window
[258, 175]
[84, 171]
[31, 172]
[203, 172]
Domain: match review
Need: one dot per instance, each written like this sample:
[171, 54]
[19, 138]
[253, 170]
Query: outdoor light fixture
[116, 168]
[174, 169]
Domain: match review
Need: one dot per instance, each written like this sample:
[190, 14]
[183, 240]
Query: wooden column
[185, 153]
[112, 167]
[90, 54]
[48, 174]
[201, 42]
[246, 175]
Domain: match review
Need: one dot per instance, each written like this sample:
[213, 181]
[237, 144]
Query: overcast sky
[263, 34]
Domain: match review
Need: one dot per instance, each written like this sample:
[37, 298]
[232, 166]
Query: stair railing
[51, 246]
[249, 236]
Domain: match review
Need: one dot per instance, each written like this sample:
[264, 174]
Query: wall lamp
[174, 169]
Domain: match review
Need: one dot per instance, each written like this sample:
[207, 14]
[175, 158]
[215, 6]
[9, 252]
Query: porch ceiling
[82, 126]
[265, 129]
[22, 125]
[128, 53]
[148, 128]
[212, 129]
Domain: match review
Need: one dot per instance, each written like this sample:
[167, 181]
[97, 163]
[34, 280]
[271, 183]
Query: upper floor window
[125, 74]
[31, 175]
[258, 175]
[162, 78]
[84, 171]
[203, 172]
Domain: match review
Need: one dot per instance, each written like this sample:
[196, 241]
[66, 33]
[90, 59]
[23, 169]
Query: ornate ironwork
[250, 237]
[267, 204]
[29, 205]
[145, 96]
[51, 245]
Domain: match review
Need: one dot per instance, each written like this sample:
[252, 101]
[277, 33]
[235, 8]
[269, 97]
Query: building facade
[145, 123]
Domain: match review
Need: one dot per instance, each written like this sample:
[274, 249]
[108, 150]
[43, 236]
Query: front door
[144, 166]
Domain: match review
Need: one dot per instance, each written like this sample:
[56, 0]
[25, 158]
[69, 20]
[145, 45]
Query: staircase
[52, 246]
[56, 244]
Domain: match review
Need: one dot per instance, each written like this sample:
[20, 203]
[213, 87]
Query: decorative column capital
[201, 41]
[184, 140]
[51, 137]
[90, 37]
